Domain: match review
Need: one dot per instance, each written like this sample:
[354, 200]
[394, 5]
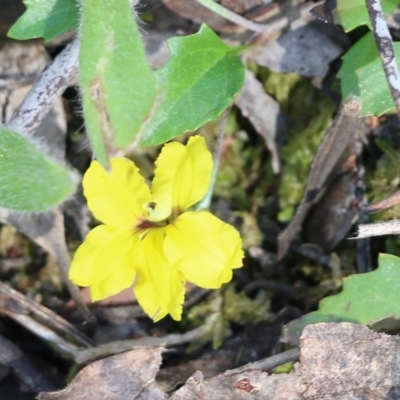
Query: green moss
[309, 114]
[284, 368]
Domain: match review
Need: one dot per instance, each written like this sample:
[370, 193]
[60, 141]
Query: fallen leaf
[337, 362]
[263, 112]
[307, 50]
[328, 156]
[332, 217]
[128, 375]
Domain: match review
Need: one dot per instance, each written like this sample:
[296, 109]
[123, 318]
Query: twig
[266, 364]
[119, 346]
[40, 320]
[379, 229]
[384, 204]
[385, 47]
[231, 16]
[51, 84]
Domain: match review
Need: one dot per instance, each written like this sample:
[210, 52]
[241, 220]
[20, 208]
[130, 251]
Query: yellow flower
[149, 236]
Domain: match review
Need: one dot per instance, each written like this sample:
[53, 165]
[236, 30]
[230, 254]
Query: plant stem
[49, 87]
[384, 43]
[119, 346]
[204, 204]
[266, 364]
[231, 16]
[379, 229]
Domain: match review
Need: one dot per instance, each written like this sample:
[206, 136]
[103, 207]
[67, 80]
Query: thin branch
[379, 229]
[231, 16]
[50, 86]
[266, 364]
[119, 346]
[384, 204]
[384, 43]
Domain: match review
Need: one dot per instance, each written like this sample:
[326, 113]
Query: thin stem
[119, 346]
[266, 364]
[204, 204]
[378, 229]
[49, 87]
[384, 43]
[231, 16]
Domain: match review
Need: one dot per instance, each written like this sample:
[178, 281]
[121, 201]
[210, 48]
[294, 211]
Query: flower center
[156, 216]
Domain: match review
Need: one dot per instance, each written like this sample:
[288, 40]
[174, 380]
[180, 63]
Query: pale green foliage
[118, 87]
[353, 13]
[45, 18]
[197, 84]
[363, 80]
[371, 298]
[29, 180]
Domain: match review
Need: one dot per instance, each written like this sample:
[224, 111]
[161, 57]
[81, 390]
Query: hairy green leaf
[30, 181]
[353, 13]
[365, 299]
[45, 18]
[118, 87]
[197, 84]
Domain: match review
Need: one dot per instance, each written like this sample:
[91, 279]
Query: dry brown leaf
[334, 214]
[328, 156]
[349, 361]
[307, 50]
[340, 361]
[128, 375]
[251, 384]
[263, 112]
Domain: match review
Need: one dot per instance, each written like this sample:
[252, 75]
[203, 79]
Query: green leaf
[45, 18]
[198, 83]
[361, 53]
[365, 299]
[353, 13]
[375, 94]
[29, 181]
[362, 77]
[118, 87]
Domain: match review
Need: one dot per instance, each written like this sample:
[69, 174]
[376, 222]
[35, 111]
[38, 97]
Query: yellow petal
[160, 288]
[116, 198]
[182, 175]
[104, 261]
[204, 248]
